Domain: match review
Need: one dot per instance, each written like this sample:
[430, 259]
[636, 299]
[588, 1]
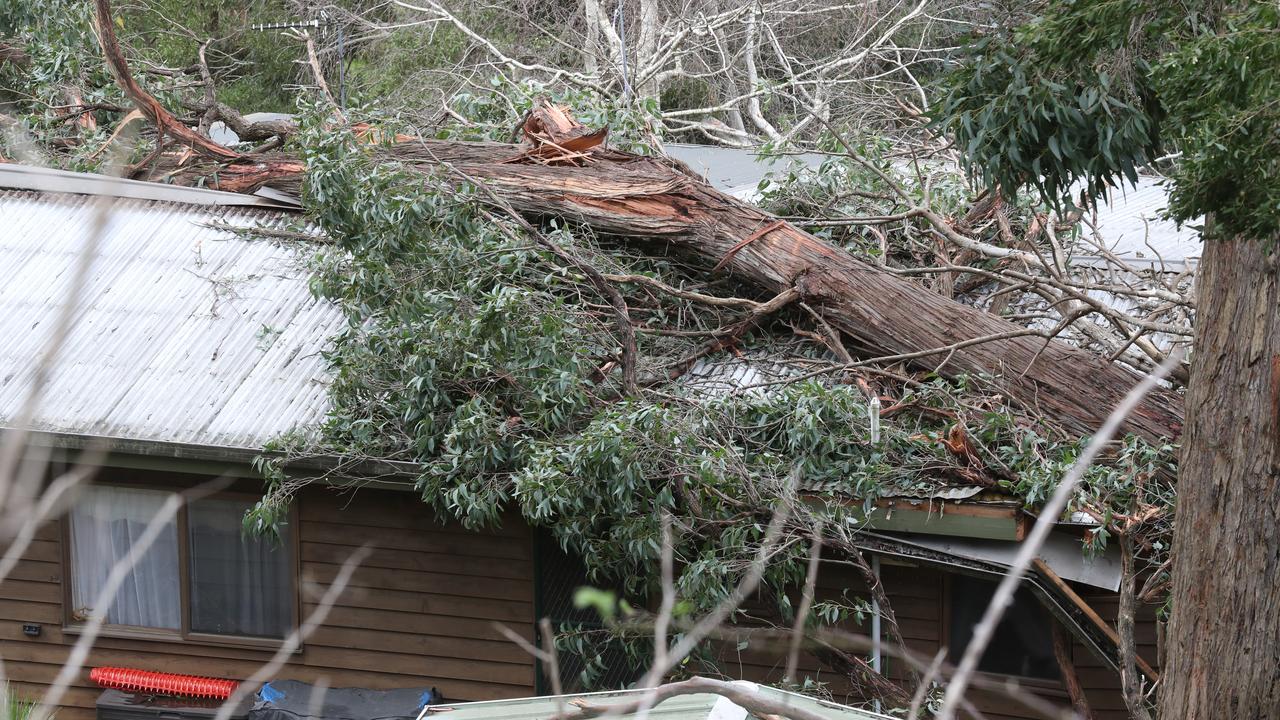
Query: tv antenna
[316, 24]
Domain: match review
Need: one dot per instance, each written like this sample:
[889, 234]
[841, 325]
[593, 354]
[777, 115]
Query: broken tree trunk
[647, 199]
[565, 172]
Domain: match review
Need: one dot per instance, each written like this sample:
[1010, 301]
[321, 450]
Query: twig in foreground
[1030, 547]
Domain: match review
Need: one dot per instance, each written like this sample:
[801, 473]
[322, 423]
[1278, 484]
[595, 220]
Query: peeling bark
[161, 118]
[223, 168]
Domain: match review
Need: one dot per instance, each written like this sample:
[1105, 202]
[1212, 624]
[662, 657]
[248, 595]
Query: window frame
[184, 634]
[1054, 687]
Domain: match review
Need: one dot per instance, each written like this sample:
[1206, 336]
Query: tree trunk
[1224, 636]
[642, 199]
[1062, 653]
[646, 199]
[1131, 681]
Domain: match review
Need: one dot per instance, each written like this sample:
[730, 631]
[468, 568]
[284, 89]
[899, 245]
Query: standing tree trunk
[1062, 653]
[1224, 636]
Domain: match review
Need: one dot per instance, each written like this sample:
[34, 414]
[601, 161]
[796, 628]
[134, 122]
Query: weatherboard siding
[419, 612]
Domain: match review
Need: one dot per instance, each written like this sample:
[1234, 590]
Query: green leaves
[1221, 89]
[1023, 120]
[471, 351]
[1093, 89]
[604, 602]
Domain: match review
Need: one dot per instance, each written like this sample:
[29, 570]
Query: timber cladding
[420, 611]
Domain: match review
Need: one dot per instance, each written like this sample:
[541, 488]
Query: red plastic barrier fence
[163, 683]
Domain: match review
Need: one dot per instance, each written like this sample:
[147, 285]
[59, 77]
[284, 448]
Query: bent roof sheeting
[184, 333]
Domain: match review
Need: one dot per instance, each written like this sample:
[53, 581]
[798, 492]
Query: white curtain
[105, 523]
[240, 585]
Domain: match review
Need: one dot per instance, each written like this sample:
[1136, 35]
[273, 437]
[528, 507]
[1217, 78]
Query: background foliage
[1090, 90]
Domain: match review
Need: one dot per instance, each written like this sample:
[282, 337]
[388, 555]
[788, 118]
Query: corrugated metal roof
[723, 375]
[1130, 225]
[701, 706]
[186, 333]
[737, 171]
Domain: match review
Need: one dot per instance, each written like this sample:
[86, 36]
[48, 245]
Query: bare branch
[1030, 547]
[295, 639]
[806, 602]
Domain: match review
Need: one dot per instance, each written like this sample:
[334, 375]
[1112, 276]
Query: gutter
[50, 180]
[223, 460]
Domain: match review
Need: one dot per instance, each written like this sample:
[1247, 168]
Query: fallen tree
[564, 170]
[641, 199]
[648, 199]
[501, 429]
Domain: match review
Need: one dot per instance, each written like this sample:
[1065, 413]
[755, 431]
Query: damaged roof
[186, 332]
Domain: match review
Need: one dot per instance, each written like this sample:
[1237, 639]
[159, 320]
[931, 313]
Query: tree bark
[1131, 681]
[1224, 635]
[161, 118]
[869, 684]
[644, 199]
[1062, 653]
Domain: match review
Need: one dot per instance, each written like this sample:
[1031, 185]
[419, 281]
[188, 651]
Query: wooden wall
[918, 597]
[419, 612]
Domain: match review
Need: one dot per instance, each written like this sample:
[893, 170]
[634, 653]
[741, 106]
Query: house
[194, 346]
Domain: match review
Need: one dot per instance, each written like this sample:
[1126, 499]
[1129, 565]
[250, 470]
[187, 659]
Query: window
[1023, 641]
[202, 575]
[595, 662]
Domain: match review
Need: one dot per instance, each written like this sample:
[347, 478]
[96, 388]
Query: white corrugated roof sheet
[737, 171]
[1130, 225]
[185, 332]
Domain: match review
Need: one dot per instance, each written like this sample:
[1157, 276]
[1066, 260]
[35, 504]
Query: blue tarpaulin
[293, 700]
